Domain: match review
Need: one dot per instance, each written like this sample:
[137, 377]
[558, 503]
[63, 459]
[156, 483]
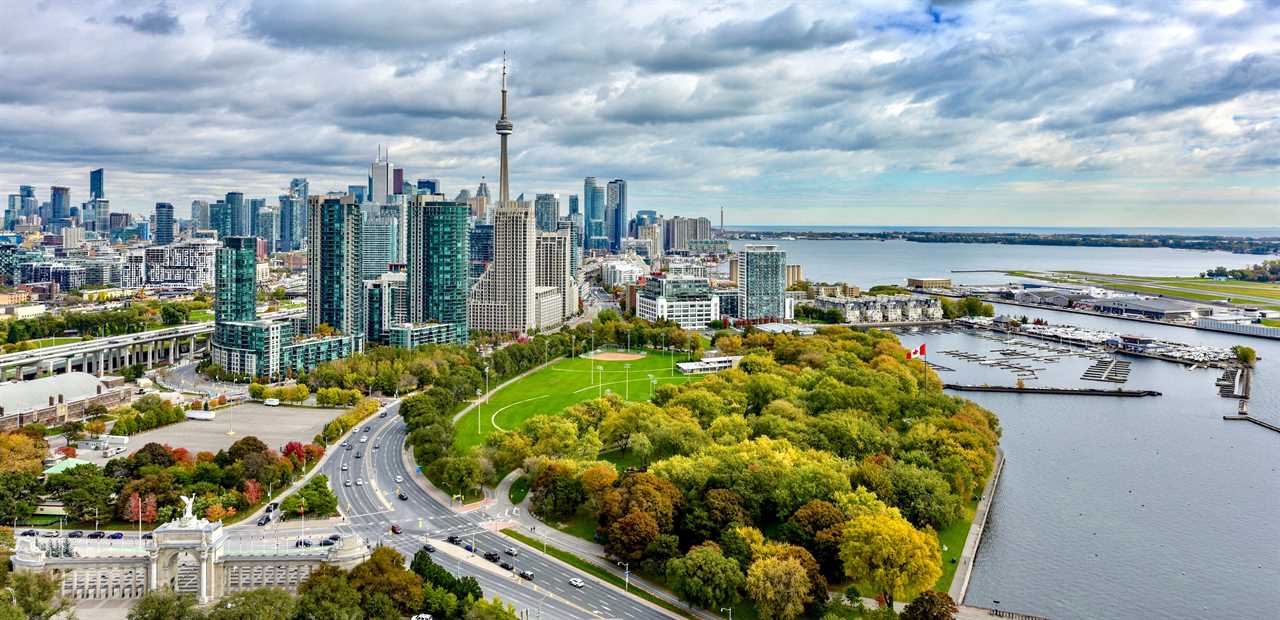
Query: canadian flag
[916, 352]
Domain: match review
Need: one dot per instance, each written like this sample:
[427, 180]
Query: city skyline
[900, 113]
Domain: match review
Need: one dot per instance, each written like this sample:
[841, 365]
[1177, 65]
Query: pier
[1050, 390]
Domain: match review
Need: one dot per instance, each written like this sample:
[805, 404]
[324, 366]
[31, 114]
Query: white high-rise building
[555, 269]
[383, 175]
[762, 283]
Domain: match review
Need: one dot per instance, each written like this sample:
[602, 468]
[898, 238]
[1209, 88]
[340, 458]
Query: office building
[679, 232]
[686, 300]
[334, 285]
[97, 188]
[163, 234]
[386, 303]
[430, 186]
[762, 283]
[503, 298]
[570, 226]
[300, 191]
[438, 256]
[382, 180]
[593, 204]
[291, 209]
[379, 240]
[200, 215]
[481, 250]
[255, 206]
[59, 202]
[267, 226]
[95, 215]
[616, 200]
[220, 219]
[546, 209]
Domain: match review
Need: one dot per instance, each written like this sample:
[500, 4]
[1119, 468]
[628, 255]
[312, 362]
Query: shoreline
[972, 542]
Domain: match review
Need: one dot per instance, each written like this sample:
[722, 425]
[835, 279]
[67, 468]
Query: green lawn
[623, 459]
[952, 540]
[519, 490]
[197, 316]
[57, 340]
[564, 383]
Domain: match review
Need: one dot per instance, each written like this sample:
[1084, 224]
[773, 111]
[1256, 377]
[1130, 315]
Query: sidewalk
[586, 550]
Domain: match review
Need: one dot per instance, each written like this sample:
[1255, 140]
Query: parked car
[272, 402]
[33, 533]
[50, 534]
[421, 617]
[395, 528]
[526, 574]
[75, 534]
[148, 536]
[302, 543]
[453, 540]
[115, 536]
[577, 583]
[98, 534]
[263, 520]
[335, 537]
[327, 543]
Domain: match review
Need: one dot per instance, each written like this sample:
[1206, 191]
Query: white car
[272, 402]
[359, 482]
[399, 479]
[364, 440]
[577, 583]
[344, 467]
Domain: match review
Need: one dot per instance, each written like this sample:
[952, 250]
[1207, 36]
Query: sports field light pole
[626, 388]
[653, 386]
[479, 411]
[600, 383]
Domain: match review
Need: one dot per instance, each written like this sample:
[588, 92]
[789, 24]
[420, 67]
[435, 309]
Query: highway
[371, 509]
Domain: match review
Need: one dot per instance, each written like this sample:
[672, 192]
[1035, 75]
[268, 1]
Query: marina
[1110, 342]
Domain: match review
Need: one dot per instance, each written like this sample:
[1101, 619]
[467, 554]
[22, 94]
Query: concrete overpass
[109, 354]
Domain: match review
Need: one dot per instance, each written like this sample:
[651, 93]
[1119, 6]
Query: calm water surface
[1127, 507]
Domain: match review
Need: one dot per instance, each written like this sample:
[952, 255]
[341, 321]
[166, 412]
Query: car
[345, 467]
[346, 483]
[75, 534]
[506, 565]
[492, 556]
[115, 536]
[359, 482]
[526, 574]
[421, 617]
[273, 506]
[335, 537]
[327, 543]
[382, 415]
[50, 534]
[148, 536]
[399, 479]
[272, 402]
[349, 446]
[429, 548]
[359, 455]
[346, 444]
[368, 428]
[364, 440]
[33, 533]
[467, 547]
[263, 520]
[376, 445]
[401, 495]
[512, 551]
[577, 583]
[453, 540]
[302, 543]
[395, 528]
[98, 534]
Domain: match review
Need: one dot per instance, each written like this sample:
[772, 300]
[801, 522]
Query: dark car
[429, 548]
[302, 543]
[368, 428]
[492, 556]
[526, 574]
[33, 533]
[273, 506]
[453, 540]
[98, 534]
[382, 415]
[115, 536]
[506, 565]
[467, 547]
[359, 455]
[395, 528]
[335, 537]
[148, 536]
[376, 445]
[327, 543]
[402, 496]
[263, 520]
[76, 534]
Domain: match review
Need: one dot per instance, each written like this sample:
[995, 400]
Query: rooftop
[24, 396]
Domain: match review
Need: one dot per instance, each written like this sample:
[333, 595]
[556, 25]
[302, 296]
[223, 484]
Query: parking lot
[275, 426]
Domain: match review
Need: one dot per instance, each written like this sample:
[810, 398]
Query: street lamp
[626, 574]
[479, 409]
[728, 609]
[653, 386]
[600, 383]
[626, 388]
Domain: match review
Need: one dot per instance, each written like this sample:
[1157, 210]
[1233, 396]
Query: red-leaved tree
[134, 509]
[294, 450]
[252, 491]
[149, 508]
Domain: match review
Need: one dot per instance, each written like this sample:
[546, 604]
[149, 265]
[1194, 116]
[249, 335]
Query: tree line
[1266, 271]
[131, 319]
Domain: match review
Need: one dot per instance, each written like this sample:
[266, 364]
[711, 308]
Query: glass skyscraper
[379, 240]
[334, 287]
[762, 283]
[164, 223]
[438, 257]
[96, 188]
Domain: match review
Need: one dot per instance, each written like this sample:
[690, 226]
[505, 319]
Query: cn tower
[504, 129]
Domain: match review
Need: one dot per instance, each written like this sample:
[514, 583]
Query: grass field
[1192, 288]
[564, 383]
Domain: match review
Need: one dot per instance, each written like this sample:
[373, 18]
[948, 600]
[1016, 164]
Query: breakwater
[1050, 390]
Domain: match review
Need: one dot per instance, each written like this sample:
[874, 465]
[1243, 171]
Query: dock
[1249, 418]
[1050, 390]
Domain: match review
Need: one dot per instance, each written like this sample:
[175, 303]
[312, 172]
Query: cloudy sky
[879, 112]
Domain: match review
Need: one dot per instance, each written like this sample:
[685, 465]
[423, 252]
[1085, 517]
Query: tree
[252, 492]
[314, 498]
[85, 492]
[257, 391]
[327, 594]
[245, 446]
[458, 474]
[36, 596]
[1245, 355]
[930, 605]
[924, 497]
[19, 494]
[491, 610]
[705, 578]
[779, 587]
[165, 604]
[884, 551]
[20, 452]
[384, 573]
[253, 605]
[631, 535]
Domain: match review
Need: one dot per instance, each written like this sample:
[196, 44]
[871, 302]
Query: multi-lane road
[371, 509]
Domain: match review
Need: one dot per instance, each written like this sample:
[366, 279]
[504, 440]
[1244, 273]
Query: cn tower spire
[504, 129]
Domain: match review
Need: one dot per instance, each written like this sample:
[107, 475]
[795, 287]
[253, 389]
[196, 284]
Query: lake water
[1127, 507]
[1108, 507]
[867, 263]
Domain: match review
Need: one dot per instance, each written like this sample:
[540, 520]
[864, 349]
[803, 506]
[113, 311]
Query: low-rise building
[1158, 309]
[708, 365]
[622, 270]
[884, 308]
[686, 300]
[55, 400]
[928, 282]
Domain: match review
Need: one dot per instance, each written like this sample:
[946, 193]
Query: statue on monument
[188, 503]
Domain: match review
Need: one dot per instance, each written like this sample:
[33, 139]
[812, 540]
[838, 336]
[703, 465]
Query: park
[632, 375]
